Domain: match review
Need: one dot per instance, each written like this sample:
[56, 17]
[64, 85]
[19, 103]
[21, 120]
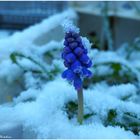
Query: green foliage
[71, 109]
[111, 115]
[49, 56]
[132, 115]
[125, 98]
[120, 73]
[114, 118]
[88, 115]
[31, 99]
[54, 72]
[94, 40]
[117, 67]
[42, 71]
[132, 124]
[132, 47]
[14, 58]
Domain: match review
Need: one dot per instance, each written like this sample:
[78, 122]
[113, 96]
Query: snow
[69, 26]
[49, 104]
[4, 34]
[86, 43]
[7, 67]
[38, 102]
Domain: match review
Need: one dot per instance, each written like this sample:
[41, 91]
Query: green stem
[14, 55]
[80, 106]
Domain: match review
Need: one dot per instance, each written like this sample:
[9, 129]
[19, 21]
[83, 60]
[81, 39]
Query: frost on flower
[69, 26]
[75, 56]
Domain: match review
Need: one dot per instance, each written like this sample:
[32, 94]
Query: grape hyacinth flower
[76, 61]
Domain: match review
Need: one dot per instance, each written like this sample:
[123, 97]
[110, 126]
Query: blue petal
[70, 57]
[68, 74]
[81, 45]
[77, 83]
[89, 64]
[84, 59]
[78, 51]
[70, 39]
[85, 51]
[75, 35]
[86, 73]
[78, 39]
[67, 35]
[67, 64]
[63, 55]
[66, 50]
[66, 43]
[76, 67]
[64, 74]
[73, 45]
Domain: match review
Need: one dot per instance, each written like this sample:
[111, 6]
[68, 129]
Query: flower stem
[80, 106]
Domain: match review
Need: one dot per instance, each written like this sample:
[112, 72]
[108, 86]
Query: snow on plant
[77, 62]
[34, 67]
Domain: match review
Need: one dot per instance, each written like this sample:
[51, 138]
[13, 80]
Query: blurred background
[18, 15]
[107, 24]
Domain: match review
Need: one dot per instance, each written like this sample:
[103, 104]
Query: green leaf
[132, 115]
[29, 100]
[116, 67]
[134, 124]
[121, 74]
[86, 116]
[36, 71]
[13, 57]
[71, 109]
[125, 98]
[112, 114]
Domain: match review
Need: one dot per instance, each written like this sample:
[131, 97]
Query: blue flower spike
[76, 61]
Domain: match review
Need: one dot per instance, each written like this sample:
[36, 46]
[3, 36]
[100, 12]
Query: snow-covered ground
[37, 103]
